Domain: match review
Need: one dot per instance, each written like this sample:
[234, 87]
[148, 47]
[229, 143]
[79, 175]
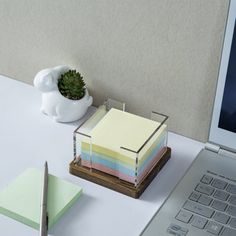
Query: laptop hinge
[212, 147]
[227, 153]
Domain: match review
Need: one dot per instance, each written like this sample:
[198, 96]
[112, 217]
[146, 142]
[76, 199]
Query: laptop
[204, 201]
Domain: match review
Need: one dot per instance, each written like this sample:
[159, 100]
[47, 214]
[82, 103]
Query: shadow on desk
[166, 180]
[77, 123]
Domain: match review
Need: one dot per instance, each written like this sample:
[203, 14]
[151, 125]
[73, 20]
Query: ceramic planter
[54, 104]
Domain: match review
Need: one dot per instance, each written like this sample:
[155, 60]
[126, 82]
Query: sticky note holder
[133, 186]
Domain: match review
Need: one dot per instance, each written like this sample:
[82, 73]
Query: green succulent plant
[71, 85]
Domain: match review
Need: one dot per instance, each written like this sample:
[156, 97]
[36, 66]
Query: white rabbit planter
[54, 104]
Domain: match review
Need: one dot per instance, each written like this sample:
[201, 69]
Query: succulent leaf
[71, 85]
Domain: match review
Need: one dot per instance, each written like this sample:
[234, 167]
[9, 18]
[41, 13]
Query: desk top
[28, 138]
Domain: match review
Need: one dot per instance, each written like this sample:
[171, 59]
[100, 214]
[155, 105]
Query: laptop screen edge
[217, 135]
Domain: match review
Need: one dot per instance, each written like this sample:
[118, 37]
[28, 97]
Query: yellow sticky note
[122, 129]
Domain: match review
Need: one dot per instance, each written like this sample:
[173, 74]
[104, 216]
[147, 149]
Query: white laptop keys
[204, 202]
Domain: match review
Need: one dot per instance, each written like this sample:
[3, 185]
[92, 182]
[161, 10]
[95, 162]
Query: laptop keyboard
[211, 207]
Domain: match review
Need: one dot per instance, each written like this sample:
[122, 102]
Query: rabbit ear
[37, 80]
[49, 82]
[45, 82]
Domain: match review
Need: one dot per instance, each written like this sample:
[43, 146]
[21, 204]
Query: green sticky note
[21, 199]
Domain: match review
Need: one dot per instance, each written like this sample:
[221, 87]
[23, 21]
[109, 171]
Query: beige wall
[158, 55]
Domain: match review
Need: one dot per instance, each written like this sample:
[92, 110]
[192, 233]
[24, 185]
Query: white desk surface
[28, 138]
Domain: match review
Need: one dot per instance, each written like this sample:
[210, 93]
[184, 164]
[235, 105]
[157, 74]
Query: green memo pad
[21, 199]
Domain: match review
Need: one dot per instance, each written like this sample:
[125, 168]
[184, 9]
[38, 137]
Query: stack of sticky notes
[122, 129]
[21, 199]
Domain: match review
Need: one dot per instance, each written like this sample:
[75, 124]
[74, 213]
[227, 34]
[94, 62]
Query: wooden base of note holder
[116, 184]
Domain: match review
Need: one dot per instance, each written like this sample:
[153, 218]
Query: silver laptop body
[204, 202]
